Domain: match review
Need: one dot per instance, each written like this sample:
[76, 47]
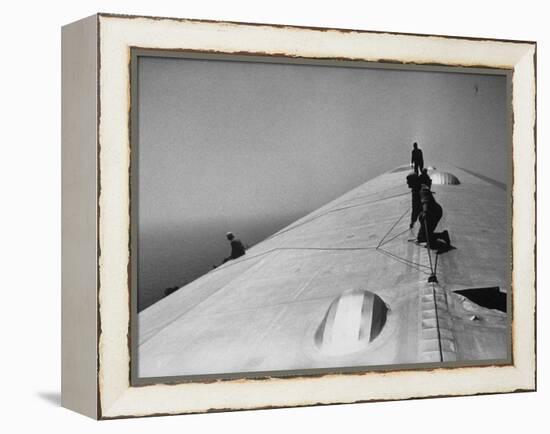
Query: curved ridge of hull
[260, 312]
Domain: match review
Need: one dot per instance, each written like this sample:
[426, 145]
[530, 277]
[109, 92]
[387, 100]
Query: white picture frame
[96, 136]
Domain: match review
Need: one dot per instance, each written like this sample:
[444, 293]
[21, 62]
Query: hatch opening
[490, 298]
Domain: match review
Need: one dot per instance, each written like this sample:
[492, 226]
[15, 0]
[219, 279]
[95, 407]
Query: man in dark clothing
[429, 218]
[425, 179]
[416, 206]
[417, 159]
[237, 247]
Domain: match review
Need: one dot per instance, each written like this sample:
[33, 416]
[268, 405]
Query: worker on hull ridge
[417, 159]
[413, 182]
[237, 247]
[429, 218]
[425, 179]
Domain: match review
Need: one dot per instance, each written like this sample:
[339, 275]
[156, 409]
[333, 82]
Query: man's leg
[421, 237]
[415, 210]
[414, 215]
[433, 220]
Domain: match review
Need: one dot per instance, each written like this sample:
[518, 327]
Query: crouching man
[237, 247]
[429, 218]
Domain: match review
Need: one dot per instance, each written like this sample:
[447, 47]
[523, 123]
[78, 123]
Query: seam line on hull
[284, 231]
[437, 324]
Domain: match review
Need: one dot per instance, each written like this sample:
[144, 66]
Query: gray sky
[238, 145]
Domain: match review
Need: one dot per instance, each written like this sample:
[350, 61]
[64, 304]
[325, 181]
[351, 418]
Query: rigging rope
[411, 264]
[437, 323]
[391, 229]
[433, 277]
[297, 225]
[378, 247]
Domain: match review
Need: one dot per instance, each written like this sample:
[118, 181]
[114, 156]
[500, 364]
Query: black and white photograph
[275, 217]
[293, 217]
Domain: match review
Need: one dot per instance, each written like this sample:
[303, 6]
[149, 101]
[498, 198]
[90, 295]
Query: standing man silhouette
[417, 159]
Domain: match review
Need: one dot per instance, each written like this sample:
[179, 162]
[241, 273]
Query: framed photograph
[261, 216]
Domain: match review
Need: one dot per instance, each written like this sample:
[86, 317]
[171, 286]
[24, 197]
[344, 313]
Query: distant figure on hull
[425, 178]
[413, 182]
[237, 247]
[429, 218]
[417, 159]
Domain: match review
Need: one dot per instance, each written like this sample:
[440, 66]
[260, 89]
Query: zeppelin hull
[345, 286]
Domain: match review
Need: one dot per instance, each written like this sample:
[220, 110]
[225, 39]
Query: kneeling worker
[429, 218]
[237, 247]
